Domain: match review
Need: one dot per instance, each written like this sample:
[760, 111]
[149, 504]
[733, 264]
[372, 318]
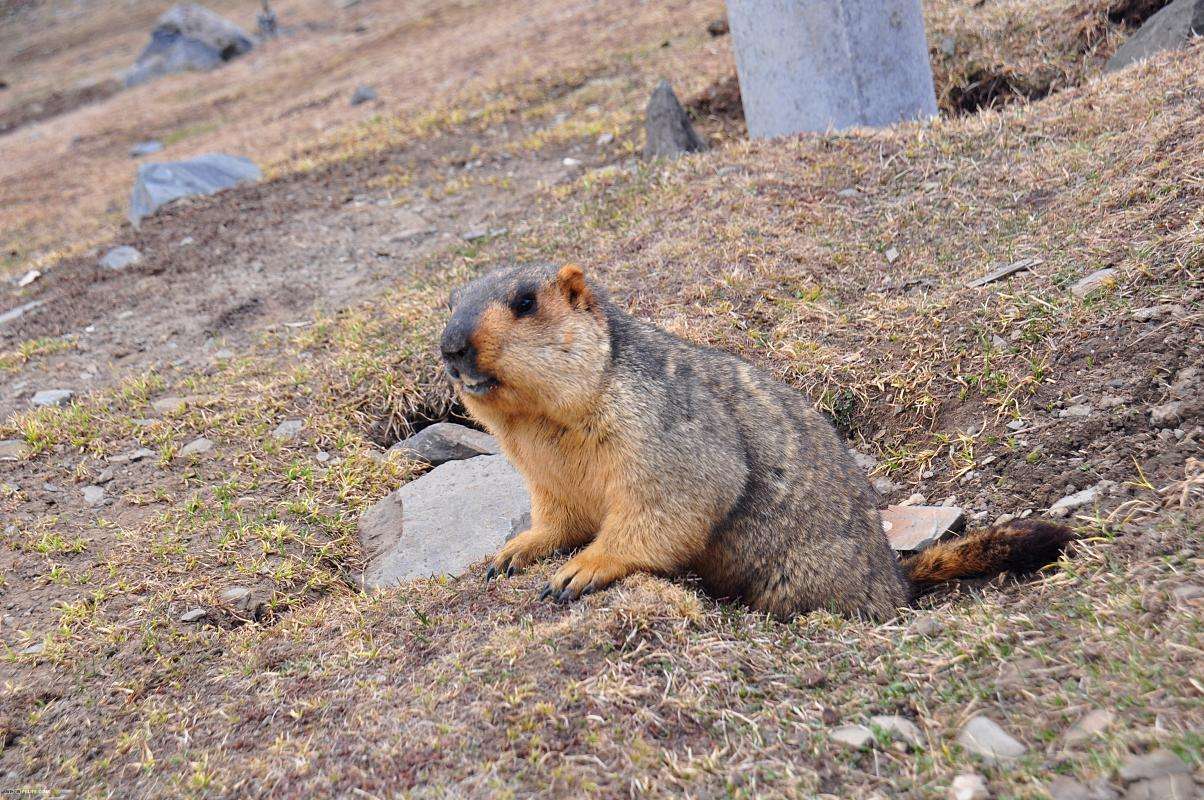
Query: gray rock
[1066, 788]
[1078, 410]
[94, 495]
[13, 449]
[900, 729]
[1090, 725]
[196, 447]
[925, 625]
[864, 460]
[454, 515]
[446, 441]
[1170, 28]
[885, 485]
[169, 405]
[830, 64]
[147, 148]
[913, 528]
[363, 94]
[121, 257]
[1154, 764]
[132, 456]
[1023, 265]
[288, 430]
[1168, 787]
[667, 126]
[969, 786]
[34, 649]
[188, 37]
[984, 738]
[1169, 415]
[52, 397]
[1151, 313]
[193, 615]
[1186, 595]
[19, 311]
[159, 184]
[1072, 502]
[857, 737]
[236, 596]
[1097, 280]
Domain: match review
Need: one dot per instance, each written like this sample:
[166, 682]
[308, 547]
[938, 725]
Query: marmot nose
[457, 351]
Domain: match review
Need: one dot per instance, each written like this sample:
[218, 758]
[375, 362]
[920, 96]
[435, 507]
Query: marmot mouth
[480, 387]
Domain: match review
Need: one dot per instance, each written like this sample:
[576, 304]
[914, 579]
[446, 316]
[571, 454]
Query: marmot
[657, 455]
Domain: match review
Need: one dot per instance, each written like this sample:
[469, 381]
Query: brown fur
[654, 455]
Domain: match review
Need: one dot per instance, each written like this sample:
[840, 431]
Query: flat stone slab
[446, 441]
[439, 524]
[52, 397]
[159, 184]
[984, 738]
[913, 528]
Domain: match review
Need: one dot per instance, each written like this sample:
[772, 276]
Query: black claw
[490, 573]
[565, 596]
[590, 589]
[547, 591]
[511, 571]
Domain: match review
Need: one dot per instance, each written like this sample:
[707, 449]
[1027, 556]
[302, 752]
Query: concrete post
[818, 65]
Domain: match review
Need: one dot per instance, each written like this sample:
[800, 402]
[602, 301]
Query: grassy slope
[455, 688]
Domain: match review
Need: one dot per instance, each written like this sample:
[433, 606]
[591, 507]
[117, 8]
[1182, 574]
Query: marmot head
[527, 339]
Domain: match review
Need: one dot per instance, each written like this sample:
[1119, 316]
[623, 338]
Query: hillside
[839, 262]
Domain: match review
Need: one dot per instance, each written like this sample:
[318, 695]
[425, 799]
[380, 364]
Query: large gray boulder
[447, 441]
[667, 126]
[816, 65]
[158, 184]
[188, 37]
[1168, 29]
[439, 524]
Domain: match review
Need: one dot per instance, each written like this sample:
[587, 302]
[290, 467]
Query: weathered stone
[1023, 265]
[446, 441]
[1168, 29]
[13, 449]
[1167, 787]
[1100, 279]
[1066, 788]
[188, 37]
[20, 311]
[1154, 764]
[984, 738]
[1078, 499]
[133, 455]
[1151, 313]
[196, 447]
[667, 126]
[363, 94]
[52, 397]
[454, 515]
[159, 184]
[193, 615]
[1078, 410]
[147, 148]
[1169, 415]
[169, 405]
[818, 65]
[968, 786]
[913, 528]
[899, 728]
[1188, 595]
[121, 257]
[94, 495]
[237, 596]
[857, 737]
[288, 430]
[1090, 725]
[924, 625]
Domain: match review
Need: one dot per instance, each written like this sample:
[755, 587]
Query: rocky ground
[181, 611]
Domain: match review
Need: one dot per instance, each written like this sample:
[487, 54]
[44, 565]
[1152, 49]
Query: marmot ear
[572, 283]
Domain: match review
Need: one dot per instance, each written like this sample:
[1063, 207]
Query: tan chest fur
[568, 464]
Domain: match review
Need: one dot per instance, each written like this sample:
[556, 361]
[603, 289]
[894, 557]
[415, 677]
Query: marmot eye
[523, 305]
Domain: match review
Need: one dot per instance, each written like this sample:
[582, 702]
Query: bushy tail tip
[1019, 547]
